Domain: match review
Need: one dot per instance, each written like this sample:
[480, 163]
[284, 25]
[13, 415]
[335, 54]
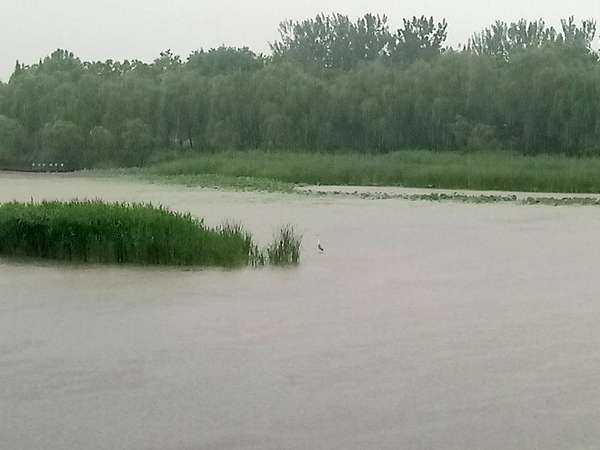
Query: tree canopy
[330, 84]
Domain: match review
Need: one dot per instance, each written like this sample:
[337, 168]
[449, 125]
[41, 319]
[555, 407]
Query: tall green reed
[408, 168]
[285, 247]
[99, 232]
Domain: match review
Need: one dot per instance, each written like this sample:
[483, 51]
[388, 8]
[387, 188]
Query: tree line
[329, 84]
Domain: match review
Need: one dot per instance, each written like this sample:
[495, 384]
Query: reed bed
[97, 232]
[444, 170]
[285, 247]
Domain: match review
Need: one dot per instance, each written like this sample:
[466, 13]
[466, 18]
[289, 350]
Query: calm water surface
[422, 326]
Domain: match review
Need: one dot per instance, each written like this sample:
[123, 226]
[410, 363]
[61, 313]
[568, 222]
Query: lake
[423, 325]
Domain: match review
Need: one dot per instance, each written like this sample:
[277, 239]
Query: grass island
[93, 231]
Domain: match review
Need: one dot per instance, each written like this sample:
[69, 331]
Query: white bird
[319, 244]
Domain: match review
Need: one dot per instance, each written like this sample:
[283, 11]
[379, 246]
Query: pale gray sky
[140, 29]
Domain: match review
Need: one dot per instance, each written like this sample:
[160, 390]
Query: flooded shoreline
[421, 325]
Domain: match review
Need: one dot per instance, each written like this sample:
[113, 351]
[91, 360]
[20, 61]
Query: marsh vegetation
[442, 170]
[99, 232]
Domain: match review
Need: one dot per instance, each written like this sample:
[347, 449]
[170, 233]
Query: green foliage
[503, 41]
[98, 232]
[137, 142]
[13, 140]
[579, 36]
[60, 62]
[285, 248]
[330, 85]
[62, 141]
[420, 38]
[166, 61]
[332, 42]
[474, 137]
[100, 146]
[336, 43]
[225, 60]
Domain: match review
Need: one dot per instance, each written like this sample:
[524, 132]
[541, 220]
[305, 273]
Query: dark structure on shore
[38, 167]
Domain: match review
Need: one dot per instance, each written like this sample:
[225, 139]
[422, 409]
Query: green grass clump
[98, 232]
[285, 248]
[279, 171]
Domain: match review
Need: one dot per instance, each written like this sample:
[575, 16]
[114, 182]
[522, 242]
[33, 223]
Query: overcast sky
[140, 29]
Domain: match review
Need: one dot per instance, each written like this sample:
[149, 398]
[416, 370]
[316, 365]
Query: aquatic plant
[466, 198]
[285, 248]
[99, 232]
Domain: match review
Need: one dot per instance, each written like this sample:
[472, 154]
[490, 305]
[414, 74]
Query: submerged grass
[280, 171]
[98, 232]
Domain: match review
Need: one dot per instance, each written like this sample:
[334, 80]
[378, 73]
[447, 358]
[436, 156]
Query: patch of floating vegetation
[465, 198]
[585, 201]
[93, 231]
[225, 182]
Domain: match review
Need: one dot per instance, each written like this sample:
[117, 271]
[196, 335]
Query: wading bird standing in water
[319, 245]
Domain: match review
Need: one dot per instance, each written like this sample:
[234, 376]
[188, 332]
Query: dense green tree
[502, 40]
[419, 38]
[552, 100]
[292, 106]
[330, 84]
[332, 42]
[13, 140]
[225, 60]
[100, 147]
[62, 142]
[137, 142]
[166, 62]
[574, 35]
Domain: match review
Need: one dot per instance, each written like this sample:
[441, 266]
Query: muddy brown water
[422, 326]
